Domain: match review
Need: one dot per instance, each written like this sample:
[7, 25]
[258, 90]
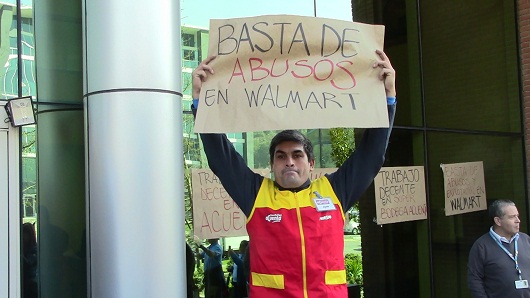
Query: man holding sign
[296, 225]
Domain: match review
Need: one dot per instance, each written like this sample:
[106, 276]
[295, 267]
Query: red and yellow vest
[295, 250]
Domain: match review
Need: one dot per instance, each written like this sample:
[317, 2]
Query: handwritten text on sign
[465, 189]
[280, 67]
[319, 172]
[215, 214]
[400, 194]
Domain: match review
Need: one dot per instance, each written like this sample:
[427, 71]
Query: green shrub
[354, 268]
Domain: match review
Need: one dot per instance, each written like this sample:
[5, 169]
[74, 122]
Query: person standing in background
[190, 269]
[239, 279]
[499, 261]
[214, 282]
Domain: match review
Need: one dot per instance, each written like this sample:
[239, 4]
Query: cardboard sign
[279, 72]
[400, 194]
[317, 173]
[215, 214]
[464, 186]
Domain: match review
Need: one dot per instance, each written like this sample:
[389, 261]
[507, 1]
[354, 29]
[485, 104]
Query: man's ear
[497, 220]
[312, 165]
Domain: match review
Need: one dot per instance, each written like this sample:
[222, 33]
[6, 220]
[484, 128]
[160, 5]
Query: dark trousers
[240, 289]
[214, 284]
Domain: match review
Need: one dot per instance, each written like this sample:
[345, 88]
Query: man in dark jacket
[499, 261]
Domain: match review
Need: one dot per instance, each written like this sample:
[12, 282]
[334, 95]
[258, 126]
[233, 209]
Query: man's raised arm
[353, 177]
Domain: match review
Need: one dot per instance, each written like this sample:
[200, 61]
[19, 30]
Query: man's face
[290, 165]
[508, 224]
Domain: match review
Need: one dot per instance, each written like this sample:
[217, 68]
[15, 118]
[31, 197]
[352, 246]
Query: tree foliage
[354, 268]
[342, 144]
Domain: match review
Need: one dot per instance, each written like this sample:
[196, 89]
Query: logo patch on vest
[325, 217]
[273, 218]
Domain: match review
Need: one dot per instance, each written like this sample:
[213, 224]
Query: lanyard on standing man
[519, 284]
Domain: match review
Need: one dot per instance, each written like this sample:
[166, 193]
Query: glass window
[61, 224]
[189, 55]
[452, 236]
[470, 63]
[188, 40]
[22, 82]
[471, 83]
[404, 244]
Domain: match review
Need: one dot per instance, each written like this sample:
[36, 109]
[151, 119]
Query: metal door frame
[10, 223]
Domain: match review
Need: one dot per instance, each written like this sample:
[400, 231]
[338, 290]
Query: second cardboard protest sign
[400, 194]
[290, 72]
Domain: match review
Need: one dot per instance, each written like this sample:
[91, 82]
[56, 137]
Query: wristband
[390, 100]
[196, 102]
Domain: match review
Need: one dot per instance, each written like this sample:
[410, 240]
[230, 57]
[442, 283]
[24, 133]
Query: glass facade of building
[459, 100]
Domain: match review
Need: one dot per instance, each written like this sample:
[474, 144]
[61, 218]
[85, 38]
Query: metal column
[133, 124]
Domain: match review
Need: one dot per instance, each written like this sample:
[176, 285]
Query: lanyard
[514, 258]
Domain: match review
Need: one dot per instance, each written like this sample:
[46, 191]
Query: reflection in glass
[29, 261]
[19, 80]
[450, 92]
[452, 236]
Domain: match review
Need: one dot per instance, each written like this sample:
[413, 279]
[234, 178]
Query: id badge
[324, 204]
[521, 284]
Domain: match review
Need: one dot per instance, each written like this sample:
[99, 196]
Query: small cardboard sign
[400, 194]
[464, 186]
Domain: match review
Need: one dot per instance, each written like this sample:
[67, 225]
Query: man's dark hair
[292, 136]
[496, 209]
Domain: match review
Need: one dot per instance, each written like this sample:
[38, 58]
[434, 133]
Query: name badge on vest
[521, 284]
[323, 204]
